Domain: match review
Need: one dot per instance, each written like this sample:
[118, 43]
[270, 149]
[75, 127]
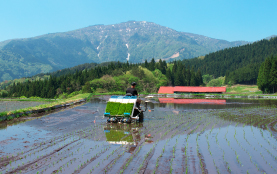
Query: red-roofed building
[190, 89]
[193, 101]
[166, 90]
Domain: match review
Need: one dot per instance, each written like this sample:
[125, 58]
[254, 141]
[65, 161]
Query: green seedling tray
[118, 109]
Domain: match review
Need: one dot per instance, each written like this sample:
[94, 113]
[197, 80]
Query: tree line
[239, 64]
[151, 75]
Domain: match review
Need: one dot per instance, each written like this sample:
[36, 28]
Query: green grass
[245, 90]
[28, 99]
[110, 93]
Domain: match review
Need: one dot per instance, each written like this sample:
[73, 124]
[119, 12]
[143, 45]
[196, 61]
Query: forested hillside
[115, 77]
[239, 64]
[134, 41]
[58, 73]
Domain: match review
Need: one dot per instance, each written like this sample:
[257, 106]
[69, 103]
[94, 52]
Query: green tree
[169, 76]
[146, 65]
[273, 74]
[87, 88]
[152, 65]
[188, 76]
[161, 66]
[178, 77]
[198, 76]
[193, 78]
[264, 76]
[184, 76]
[260, 80]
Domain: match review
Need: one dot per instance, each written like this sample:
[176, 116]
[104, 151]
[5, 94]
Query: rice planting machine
[124, 109]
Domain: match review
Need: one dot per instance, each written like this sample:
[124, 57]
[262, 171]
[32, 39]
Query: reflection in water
[124, 134]
[193, 101]
[188, 103]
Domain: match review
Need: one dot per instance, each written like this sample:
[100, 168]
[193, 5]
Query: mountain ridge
[134, 41]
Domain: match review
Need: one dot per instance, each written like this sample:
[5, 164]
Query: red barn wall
[190, 89]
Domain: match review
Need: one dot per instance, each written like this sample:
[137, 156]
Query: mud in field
[231, 136]
[15, 105]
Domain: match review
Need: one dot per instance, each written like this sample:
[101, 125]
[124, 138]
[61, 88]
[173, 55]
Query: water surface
[177, 135]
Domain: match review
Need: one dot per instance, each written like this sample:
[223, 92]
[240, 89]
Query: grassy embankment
[245, 90]
[28, 99]
[119, 93]
[48, 105]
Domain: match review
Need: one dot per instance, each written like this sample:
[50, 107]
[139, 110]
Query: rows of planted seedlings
[227, 138]
[171, 126]
[35, 153]
[198, 141]
[51, 151]
[239, 148]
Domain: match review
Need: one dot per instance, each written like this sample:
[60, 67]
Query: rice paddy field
[6, 105]
[177, 136]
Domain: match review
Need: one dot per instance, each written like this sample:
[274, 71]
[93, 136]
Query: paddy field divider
[56, 104]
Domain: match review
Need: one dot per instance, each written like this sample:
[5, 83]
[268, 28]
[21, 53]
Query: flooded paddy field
[177, 136]
[15, 105]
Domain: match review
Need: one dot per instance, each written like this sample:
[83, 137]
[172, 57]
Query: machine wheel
[141, 117]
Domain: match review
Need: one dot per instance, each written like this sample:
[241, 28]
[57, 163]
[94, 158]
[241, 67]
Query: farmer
[132, 91]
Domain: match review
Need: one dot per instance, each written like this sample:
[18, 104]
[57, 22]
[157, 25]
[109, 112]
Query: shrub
[3, 113]
[207, 78]
[101, 90]
[217, 82]
[9, 117]
[63, 96]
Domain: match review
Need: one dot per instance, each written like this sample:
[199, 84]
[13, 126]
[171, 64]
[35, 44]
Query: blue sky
[230, 20]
